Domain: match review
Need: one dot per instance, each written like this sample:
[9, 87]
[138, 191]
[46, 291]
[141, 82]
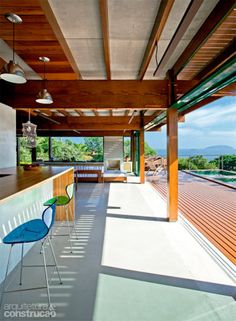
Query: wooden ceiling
[222, 39]
[122, 102]
[34, 38]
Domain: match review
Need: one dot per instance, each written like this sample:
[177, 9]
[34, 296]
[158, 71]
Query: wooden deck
[210, 207]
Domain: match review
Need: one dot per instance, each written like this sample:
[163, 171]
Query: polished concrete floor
[128, 264]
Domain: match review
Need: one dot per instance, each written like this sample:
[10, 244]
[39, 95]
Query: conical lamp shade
[13, 73]
[44, 97]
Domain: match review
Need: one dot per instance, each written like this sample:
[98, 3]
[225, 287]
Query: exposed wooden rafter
[105, 33]
[79, 112]
[59, 35]
[162, 15]
[217, 15]
[183, 26]
[63, 112]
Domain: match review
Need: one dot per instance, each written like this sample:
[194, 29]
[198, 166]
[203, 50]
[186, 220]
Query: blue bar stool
[32, 231]
[64, 200]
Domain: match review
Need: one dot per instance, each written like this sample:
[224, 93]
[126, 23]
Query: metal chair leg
[21, 263]
[40, 252]
[76, 233]
[68, 225]
[55, 260]
[46, 274]
[4, 281]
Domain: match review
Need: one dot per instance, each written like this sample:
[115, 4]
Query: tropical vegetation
[92, 150]
[64, 150]
[226, 162]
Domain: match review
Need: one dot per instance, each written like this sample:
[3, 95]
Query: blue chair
[32, 231]
[65, 200]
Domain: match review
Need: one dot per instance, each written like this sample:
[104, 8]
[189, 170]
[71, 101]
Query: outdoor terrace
[129, 263]
[209, 206]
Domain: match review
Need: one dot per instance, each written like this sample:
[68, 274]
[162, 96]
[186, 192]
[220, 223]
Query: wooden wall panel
[59, 188]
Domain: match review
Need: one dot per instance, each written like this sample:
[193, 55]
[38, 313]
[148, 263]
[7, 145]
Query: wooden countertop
[20, 179]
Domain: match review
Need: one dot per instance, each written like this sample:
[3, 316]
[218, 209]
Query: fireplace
[113, 164]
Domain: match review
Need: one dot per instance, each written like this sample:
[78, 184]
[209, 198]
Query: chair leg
[68, 225]
[46, 274]
[21, 264]
[76, 233]
[55, 260]
[4, 281]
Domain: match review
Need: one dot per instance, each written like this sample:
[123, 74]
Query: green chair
[64, 200]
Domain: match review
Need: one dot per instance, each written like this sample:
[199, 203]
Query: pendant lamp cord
[13, 31]
[44, 80]
[29, 115]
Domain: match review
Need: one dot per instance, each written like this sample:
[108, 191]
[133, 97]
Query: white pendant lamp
[11, 71]
[43, 96]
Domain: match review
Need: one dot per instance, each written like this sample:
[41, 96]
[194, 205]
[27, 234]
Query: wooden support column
[141, 151]
[172, 156]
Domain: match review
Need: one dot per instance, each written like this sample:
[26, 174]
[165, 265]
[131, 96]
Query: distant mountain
[215, 150]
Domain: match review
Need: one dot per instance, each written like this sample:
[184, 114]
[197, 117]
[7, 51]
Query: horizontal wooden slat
[211, 208]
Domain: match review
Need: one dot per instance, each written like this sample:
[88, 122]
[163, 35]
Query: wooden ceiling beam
[79, 133]
[105, 33]
[84, 122]
[218, 14]
[59, 35]
[93, 94]
[161, 18]
[81, 126]
[183, 26]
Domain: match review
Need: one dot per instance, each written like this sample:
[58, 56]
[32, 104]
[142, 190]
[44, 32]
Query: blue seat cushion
[30, 231]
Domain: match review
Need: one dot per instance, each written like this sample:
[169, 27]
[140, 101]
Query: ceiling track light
[43, 96]
[11, 71]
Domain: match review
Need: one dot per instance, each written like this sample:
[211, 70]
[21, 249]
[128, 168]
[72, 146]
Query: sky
[213, 124]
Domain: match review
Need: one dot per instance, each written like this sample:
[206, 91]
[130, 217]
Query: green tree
[127, 143]
[25, 152]
[94, 146]
[148, 150]
[42, 148]
[228, 162]
[69, 151]
[195, 162]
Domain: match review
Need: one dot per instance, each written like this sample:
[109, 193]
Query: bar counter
[22, 195]
[20, 180]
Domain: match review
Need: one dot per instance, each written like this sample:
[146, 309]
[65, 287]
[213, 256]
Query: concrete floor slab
[128, 264]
